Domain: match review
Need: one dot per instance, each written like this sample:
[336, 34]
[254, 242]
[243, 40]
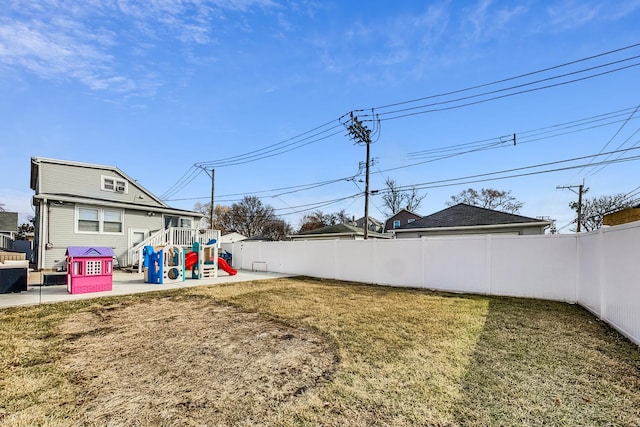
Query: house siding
[522, 231]
[403, 216]
[61, 187]
[622, 217]
[87, 182]
[64, 234]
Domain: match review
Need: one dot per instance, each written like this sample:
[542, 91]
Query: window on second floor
[410, 220]
[396, 223]
[115, 185]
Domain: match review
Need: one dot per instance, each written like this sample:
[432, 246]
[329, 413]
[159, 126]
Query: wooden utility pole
[213, 186]
[362, 135]
[366, 193]
[580, 192]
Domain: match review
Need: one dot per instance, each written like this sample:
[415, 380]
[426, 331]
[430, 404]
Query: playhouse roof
[87, 251]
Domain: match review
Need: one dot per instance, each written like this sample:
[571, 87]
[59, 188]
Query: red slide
[226, 267]
[190, 260]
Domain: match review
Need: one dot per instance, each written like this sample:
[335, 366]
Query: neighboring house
[81, 204]
[401, 218]
[8, 223]
[337, 232]
[8, 229]
[467, 219]
[374, 225]
[622, 216]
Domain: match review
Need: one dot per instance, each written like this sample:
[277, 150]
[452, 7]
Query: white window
[89, 220]
[410, 220]
[100, 220]
[116, 185]
[175, 221]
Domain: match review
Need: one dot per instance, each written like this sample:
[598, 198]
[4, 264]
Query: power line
[619, 130]
[494, 98]
[533, 133]
[318, 133]
[555, 67]
[451, 181]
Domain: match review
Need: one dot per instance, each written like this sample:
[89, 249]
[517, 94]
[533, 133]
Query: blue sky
[256, 89]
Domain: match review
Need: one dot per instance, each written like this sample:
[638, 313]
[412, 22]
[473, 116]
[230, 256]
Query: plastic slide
[226, 267]
[190, 260]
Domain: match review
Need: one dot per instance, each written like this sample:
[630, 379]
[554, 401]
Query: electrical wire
[314, 135]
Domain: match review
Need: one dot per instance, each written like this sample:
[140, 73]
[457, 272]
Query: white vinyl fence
[598, 270]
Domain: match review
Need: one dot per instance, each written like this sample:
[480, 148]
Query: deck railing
[170, 236]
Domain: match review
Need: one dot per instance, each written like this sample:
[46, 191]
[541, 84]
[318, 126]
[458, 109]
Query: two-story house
[81, 204]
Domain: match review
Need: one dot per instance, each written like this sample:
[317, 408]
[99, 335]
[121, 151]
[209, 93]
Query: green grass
[406, 357]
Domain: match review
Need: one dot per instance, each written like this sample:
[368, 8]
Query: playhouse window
[100, 220]
[93, 268]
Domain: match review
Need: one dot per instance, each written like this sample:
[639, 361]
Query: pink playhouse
[89, 269]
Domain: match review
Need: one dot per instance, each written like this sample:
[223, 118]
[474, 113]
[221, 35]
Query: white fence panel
[295, 258]
[398, 262]
[621, 279]
[355, 260]
[457, 264]
[589, 270]
[599, 270]
[534, 267]
[321, 258]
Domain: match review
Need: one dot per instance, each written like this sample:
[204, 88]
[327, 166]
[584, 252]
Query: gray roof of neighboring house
[463, 215]
[8, 221]
[339, 229]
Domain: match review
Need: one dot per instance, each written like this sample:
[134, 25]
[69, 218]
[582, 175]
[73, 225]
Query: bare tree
[319, 219]
[250, 216]
[395, 198]
[277, 229]
[488, 198]
[221, 219]
[1, 207]
[594, 209]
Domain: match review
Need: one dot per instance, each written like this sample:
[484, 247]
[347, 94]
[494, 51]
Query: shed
[89, 269]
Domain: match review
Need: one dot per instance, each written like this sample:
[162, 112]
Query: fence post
[488, 276]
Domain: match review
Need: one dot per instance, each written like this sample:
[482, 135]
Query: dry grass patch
[308, 352]
[186, 361]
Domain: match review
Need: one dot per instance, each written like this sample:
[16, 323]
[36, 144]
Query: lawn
[310, 352]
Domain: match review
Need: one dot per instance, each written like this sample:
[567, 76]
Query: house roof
[36, 161]
[463, 215]
[405, 210]
[162, 207]
[340, 229]
[89, 252]
[372, 220]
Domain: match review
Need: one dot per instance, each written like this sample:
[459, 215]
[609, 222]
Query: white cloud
[104, 45]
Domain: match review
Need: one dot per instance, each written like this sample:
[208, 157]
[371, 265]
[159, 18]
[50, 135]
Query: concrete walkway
[123, 284]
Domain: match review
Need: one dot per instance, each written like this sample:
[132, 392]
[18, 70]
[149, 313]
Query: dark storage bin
[13, 280]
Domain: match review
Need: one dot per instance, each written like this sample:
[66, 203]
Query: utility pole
[212, 175]
[213, 186]
[362, 135]
[580, 192]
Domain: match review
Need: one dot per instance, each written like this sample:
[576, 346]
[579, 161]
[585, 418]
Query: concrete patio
[123, 284]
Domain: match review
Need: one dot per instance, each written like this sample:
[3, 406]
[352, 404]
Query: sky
[262, 91]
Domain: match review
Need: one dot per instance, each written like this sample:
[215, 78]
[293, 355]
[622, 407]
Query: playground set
[172, 263]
